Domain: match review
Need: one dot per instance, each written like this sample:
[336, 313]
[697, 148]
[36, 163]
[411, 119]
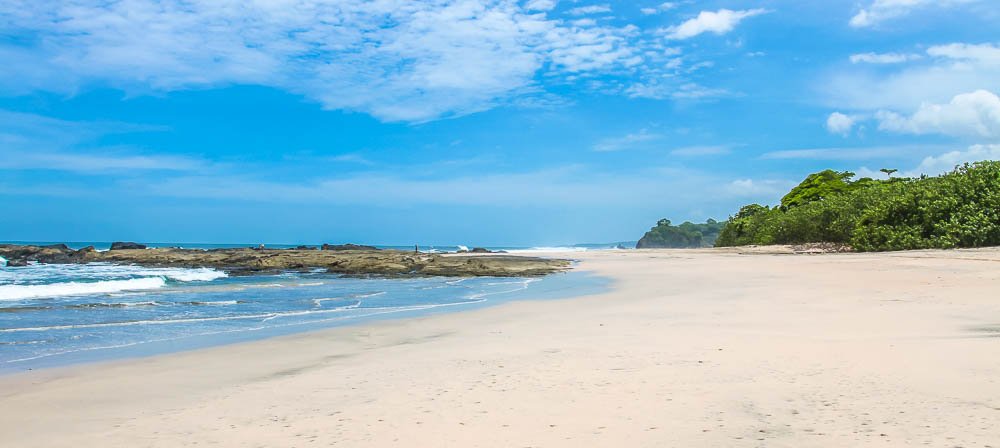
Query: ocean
[53, 315]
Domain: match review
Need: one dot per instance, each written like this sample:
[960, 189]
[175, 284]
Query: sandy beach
[689, 348]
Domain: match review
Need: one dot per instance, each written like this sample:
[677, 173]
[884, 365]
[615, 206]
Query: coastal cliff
[362, 261]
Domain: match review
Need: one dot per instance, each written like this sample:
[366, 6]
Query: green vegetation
[686, 235]
[958, 209]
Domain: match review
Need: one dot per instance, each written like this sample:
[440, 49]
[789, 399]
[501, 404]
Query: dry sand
[691, 348]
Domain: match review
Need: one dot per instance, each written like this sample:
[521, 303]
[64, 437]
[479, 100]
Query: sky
[481, 122]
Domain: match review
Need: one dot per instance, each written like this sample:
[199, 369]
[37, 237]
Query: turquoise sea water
[61, 314]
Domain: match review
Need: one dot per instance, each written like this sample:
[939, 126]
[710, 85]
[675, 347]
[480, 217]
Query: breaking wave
[21, 292]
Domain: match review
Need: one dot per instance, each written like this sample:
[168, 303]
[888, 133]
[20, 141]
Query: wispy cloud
[627, 141]
[882, 10]
[589, 9]
[397, 60]
[573, 186]
[853, 153]
[35, 142]
[883, 58]
[665, 6]
[351, 158]
[541, 5]
[665, 90]
[103, 162]
[943, 162]
[758, 188]
[944, 72]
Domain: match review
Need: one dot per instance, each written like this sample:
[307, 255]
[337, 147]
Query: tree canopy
[686, 235]
[957, 209]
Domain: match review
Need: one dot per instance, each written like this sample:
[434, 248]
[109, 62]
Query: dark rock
[480, 250]
[87, 250]
[347, 246]
[118, 245]
[305, 248]
[59, 246]
[352, 261]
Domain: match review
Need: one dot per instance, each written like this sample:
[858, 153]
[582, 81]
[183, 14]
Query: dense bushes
[958, 209]
[686, 235]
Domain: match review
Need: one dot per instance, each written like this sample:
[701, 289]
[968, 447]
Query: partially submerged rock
[118, 245]
[249, 261]
[348, 246]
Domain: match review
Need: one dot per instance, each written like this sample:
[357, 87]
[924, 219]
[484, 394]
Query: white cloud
[665, 6]
[397, 60]
[942, 163]
[987, 54]
[541, 5]
[948, 161]
[758, 188]
[589, 9]
[975, 114]
[838, 123]
[945, 71]
[882, 10]
[627, 141]
[718, 22]
[883, 58]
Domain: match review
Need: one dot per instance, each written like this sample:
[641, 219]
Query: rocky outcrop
[118, 245]
[348, 246]
[251, 261]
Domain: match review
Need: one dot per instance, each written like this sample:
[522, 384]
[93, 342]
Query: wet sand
[690, 348]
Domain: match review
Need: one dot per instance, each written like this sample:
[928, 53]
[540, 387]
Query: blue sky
[533, 122]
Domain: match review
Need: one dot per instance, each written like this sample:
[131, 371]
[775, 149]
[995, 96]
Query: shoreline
[688, 347]
[551, 287]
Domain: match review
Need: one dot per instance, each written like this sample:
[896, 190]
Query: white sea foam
[57, 280]
[263, 317]
[212, 303]
[52, 273]
[311, 284]
[3, 262]
[188, 275]
[375, 312]
[20, 292]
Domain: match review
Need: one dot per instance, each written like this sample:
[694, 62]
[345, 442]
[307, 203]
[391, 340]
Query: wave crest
[20, 292]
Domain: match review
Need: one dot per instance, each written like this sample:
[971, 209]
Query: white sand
[692, 348]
